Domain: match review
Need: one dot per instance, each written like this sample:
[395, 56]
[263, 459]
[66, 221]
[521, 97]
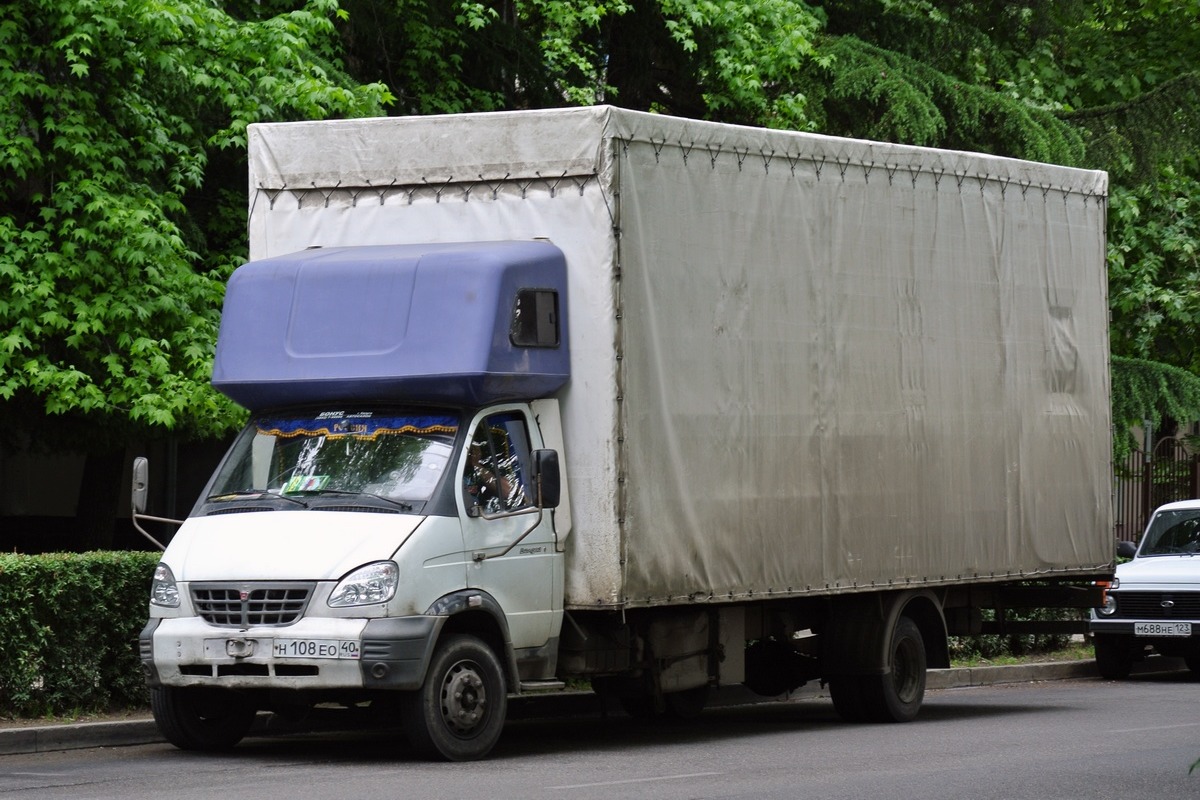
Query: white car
[1153, 602]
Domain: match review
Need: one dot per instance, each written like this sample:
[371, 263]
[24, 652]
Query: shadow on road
[580, 723]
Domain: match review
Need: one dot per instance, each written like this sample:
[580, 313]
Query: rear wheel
[902, 692]
[893, 697]
[1114, 656]
[201, 719]
[459, 713]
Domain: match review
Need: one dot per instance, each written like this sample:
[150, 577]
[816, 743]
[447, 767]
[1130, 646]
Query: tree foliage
[123, 180]
[1154, 270]
[1149, 391]
[114, 243]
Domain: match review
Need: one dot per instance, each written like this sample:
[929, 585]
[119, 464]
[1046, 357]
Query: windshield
[396, 456]
[1172, 532]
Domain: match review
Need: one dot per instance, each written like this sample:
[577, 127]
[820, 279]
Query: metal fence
[1147, 480]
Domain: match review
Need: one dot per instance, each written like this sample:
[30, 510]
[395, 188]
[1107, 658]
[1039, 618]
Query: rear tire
[893, 697]
[1114, 656]
[903, 690]
[458, 714]
[199, 719]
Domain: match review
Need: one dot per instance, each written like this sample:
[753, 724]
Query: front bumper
[315, 654]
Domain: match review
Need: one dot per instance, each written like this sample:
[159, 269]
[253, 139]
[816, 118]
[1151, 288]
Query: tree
[115, 238]
[122, 172]
[109, 278]
[1154, 270]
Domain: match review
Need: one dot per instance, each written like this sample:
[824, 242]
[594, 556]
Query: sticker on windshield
[305, 483]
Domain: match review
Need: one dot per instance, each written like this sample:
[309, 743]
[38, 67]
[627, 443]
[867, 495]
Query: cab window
[497, 470]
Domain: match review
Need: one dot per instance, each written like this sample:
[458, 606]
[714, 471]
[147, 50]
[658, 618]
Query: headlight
[374, 583]
[1109, 606]
[163, 589]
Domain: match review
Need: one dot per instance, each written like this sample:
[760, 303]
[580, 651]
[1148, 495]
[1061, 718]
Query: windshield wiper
[401, 504]
[220, 496]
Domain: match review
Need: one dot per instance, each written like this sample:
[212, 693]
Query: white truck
[1152, 604]
[663, 405]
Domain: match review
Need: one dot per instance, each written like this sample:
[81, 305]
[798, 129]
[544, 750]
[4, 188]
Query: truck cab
[1152, 604]
[385, 522]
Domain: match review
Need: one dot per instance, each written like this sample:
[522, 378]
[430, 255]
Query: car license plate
[314, 648]
[1162, 629]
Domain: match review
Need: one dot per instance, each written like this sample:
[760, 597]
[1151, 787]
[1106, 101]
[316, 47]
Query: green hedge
[1014, 644]
[68, 631]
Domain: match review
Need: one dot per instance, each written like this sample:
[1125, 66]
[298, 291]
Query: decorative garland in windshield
[360, 425]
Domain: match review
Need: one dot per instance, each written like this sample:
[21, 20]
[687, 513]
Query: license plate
[1162, 629]
[314, 648]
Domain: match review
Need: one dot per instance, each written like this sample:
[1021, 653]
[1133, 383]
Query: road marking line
[1157, 728]
[637, 780]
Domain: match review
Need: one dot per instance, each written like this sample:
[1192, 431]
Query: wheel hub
[464, 698]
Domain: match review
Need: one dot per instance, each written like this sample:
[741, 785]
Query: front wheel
[458, 714]
[201, 719]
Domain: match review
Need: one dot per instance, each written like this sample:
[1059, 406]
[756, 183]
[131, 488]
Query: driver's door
[510, 543]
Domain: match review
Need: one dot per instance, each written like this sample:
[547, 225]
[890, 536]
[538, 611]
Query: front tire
[458, 714]
[199, 719]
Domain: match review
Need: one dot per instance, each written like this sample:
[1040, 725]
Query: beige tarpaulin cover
[800, 364]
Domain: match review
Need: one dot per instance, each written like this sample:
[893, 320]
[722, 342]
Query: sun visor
[465, 324]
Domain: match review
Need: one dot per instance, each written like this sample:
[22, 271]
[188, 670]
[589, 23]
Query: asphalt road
[1083, 738]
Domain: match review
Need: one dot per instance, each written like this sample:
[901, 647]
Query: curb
[77, 735]
[964, 677]
[81, 735]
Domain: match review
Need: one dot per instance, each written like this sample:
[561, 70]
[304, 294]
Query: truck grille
[1158, 605]
[241, 606]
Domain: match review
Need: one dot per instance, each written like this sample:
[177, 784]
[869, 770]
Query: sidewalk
[140, 729]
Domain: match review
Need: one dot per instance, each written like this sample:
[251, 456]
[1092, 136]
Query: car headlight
[1109, 605]
[367, 585]
[163, 589]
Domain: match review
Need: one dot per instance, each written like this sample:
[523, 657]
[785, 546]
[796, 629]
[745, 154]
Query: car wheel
[458, 714]
[894, 697]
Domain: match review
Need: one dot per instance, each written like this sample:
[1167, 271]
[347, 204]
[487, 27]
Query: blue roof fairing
[390, 323]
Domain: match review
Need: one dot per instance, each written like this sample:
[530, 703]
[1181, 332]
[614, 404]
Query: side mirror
[1126, 549]
[141, 472]
[546, 478]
